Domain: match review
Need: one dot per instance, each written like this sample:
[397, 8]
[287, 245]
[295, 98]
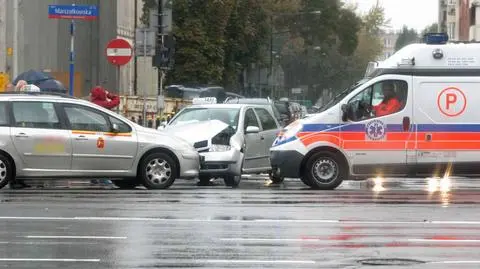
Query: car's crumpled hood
[197, 131]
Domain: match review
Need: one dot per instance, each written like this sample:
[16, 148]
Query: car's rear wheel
[158, 171]
[126, 184]
[232, 181]
[325, 171]
[6, 171]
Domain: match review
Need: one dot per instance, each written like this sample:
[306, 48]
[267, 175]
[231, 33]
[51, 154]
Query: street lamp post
[270, 76]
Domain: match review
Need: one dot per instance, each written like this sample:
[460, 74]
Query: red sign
[119, 52]
[452, 102]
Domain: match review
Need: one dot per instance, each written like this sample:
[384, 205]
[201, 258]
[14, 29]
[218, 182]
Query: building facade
[3, 43]
[44, 44]
[389, 40]
[454, 18]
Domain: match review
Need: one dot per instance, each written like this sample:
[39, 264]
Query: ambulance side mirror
[345, 112]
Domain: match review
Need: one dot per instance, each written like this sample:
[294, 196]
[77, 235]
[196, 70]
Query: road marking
[73, 237]
[268, 239]
[259, 261]
[445, 240]
[456, 262]
[253, 220]
[46, 260]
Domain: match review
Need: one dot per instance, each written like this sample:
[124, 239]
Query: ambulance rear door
[447, 117]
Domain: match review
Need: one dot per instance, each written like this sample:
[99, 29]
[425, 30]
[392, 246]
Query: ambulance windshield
[341, 95]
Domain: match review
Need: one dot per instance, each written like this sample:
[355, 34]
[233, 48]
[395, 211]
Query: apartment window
[473, 13]
[452, 2]
[451, 31]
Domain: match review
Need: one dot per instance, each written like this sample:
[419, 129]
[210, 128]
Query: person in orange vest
[390, 103]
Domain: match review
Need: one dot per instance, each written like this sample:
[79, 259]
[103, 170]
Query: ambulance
[416, 114]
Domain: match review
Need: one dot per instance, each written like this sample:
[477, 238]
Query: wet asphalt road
[255, 226]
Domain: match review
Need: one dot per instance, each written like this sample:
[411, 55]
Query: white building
[389, 39]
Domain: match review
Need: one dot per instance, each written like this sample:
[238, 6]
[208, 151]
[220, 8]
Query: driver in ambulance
[390, 103]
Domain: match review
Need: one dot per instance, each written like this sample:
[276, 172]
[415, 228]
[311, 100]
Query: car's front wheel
[6, 171]
[232, 181]
[158, 171]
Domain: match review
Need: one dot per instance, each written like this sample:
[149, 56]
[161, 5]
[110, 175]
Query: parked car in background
[233, 139]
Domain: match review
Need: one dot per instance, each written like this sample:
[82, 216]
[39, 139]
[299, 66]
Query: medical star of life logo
[375, 130]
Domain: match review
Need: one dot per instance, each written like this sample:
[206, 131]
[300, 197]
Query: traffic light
[164, 56]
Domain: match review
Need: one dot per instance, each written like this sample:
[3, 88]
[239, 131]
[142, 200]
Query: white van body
[436, 132]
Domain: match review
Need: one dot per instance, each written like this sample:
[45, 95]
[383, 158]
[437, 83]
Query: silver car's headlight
[219, 148]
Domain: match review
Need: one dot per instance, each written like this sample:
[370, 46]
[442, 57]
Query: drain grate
[392, 262]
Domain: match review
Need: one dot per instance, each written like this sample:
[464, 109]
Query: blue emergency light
[436, 38]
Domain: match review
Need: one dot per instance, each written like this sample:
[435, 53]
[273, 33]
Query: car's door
[40, 137]
[95, 147]
[268, 133]
[377, 145]
[253, 143]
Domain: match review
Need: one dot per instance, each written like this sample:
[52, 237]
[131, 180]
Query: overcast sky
[415, 14]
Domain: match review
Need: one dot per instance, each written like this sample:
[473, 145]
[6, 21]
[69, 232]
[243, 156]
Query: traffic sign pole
[72, 57]
[119, 52]
[72, 12]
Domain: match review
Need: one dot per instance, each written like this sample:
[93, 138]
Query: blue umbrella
[51, 85]
[32, 77]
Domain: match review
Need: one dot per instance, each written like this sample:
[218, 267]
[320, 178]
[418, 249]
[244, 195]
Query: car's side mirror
[115, 128]
[252, 130]
[162, 126]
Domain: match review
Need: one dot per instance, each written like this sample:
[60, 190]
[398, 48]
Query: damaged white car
[233, 139]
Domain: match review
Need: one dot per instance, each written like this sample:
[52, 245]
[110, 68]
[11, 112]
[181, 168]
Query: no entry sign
[119, 52]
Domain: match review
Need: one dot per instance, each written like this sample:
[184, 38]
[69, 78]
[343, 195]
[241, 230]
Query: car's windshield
[191, 115]
[341, 95]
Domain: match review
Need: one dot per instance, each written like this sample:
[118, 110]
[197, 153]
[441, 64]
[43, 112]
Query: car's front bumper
[221, 163]
[189, 165]
[286, 163]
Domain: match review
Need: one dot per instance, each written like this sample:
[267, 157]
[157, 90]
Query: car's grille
[214, 166]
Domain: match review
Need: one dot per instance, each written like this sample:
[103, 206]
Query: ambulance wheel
[325, 170]
[306, 181]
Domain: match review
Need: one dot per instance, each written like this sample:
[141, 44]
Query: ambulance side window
[381, 99]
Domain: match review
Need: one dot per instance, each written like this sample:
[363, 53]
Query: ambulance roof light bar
[436, 38]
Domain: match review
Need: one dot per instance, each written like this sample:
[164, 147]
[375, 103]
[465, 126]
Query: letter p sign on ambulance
[452, 102]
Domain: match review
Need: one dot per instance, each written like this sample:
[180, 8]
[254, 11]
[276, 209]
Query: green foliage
[147, 6]
[433, 28]
[321, 52]
[217, 40]
[406, 37]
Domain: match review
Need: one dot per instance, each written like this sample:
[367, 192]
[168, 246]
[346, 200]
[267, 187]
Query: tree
[217, 40]
[433, 28]
[407, 36]
[311, 56]
[147, 6]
